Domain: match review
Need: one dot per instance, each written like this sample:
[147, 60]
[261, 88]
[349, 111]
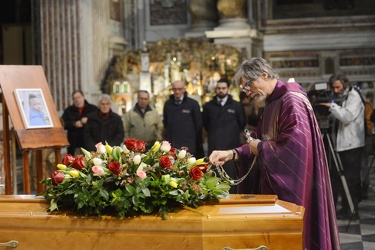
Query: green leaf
[104, 194]
[53, 205]
[146, 192]
[86, 153]
[131, 190]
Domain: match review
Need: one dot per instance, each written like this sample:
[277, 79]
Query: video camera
[321, 94]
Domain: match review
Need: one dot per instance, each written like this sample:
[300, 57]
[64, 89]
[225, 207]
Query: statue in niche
[203, 13]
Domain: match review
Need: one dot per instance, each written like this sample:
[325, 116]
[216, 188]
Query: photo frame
[33, 108]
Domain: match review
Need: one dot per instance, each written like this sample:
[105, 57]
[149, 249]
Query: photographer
[349, 131]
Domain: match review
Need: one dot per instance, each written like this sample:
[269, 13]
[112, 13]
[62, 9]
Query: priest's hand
[253, 145]
[219, 157]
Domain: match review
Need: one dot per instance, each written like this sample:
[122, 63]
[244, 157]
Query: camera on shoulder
[320, 93]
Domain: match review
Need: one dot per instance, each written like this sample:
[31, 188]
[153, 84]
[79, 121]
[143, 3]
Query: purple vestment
[292, 163]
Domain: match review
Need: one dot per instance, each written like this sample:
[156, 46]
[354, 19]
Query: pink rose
[100, 148]
[165, 146]
[98, 170]
[141, 174]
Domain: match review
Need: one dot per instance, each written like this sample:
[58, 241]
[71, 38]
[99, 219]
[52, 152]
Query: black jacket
[183, 123]
[103, 128]
[223, 123]
[69, 117]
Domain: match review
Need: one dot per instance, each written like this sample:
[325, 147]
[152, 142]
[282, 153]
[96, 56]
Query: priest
[288, 150]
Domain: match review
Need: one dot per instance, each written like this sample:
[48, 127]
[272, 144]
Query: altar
[238, 222]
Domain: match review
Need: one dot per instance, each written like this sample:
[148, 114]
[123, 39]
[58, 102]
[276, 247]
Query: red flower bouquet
[126, 181]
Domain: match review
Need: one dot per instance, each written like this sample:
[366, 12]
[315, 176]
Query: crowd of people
[288, 149]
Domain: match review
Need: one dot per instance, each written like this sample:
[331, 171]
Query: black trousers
[351, 164]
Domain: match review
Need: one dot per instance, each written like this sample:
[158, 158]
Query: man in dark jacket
[75, 118]
[182, 119]
[103, 126]
[224, 120]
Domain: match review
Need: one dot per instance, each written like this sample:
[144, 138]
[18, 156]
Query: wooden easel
[16, 77]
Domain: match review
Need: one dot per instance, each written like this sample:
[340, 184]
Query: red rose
[204, 168]
[165, 162]
[57, 178]
[196, 173]
[131, 143]
[68, 159]
[141, 145]
[78, 163]
[134, 144]
[115, 167]
[172, 152]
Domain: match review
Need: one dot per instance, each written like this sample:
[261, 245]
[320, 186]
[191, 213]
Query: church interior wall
[79, 38]
[311, 49]
[165, 19]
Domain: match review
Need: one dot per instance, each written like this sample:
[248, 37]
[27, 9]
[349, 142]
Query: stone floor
[360, 234]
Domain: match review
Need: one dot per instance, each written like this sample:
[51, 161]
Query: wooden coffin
[239, 222]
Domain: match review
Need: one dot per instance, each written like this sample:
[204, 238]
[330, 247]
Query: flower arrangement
[126, 181]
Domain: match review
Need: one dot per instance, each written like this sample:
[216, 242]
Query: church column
[234, 28]
[60, 48]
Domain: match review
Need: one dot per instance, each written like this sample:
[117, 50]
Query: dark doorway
[16, 32]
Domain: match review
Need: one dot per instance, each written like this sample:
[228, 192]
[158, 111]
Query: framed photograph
[33, 108]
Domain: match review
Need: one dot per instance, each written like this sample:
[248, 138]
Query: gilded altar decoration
[196, 61]
[126, 181]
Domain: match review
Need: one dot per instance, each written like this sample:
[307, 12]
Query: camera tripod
[340, 170]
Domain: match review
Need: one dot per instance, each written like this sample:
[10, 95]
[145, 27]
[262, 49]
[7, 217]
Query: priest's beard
[258, 97]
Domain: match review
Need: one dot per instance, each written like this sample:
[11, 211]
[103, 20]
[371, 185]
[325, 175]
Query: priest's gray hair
[253, 69]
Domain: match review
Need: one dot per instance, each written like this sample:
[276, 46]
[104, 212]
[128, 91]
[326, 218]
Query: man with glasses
[224, 120]
[288, 151]
[182, 120]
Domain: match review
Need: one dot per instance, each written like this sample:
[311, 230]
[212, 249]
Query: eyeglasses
[177, 89]
[247, 85]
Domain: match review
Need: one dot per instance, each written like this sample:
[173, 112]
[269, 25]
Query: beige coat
[148, 128]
